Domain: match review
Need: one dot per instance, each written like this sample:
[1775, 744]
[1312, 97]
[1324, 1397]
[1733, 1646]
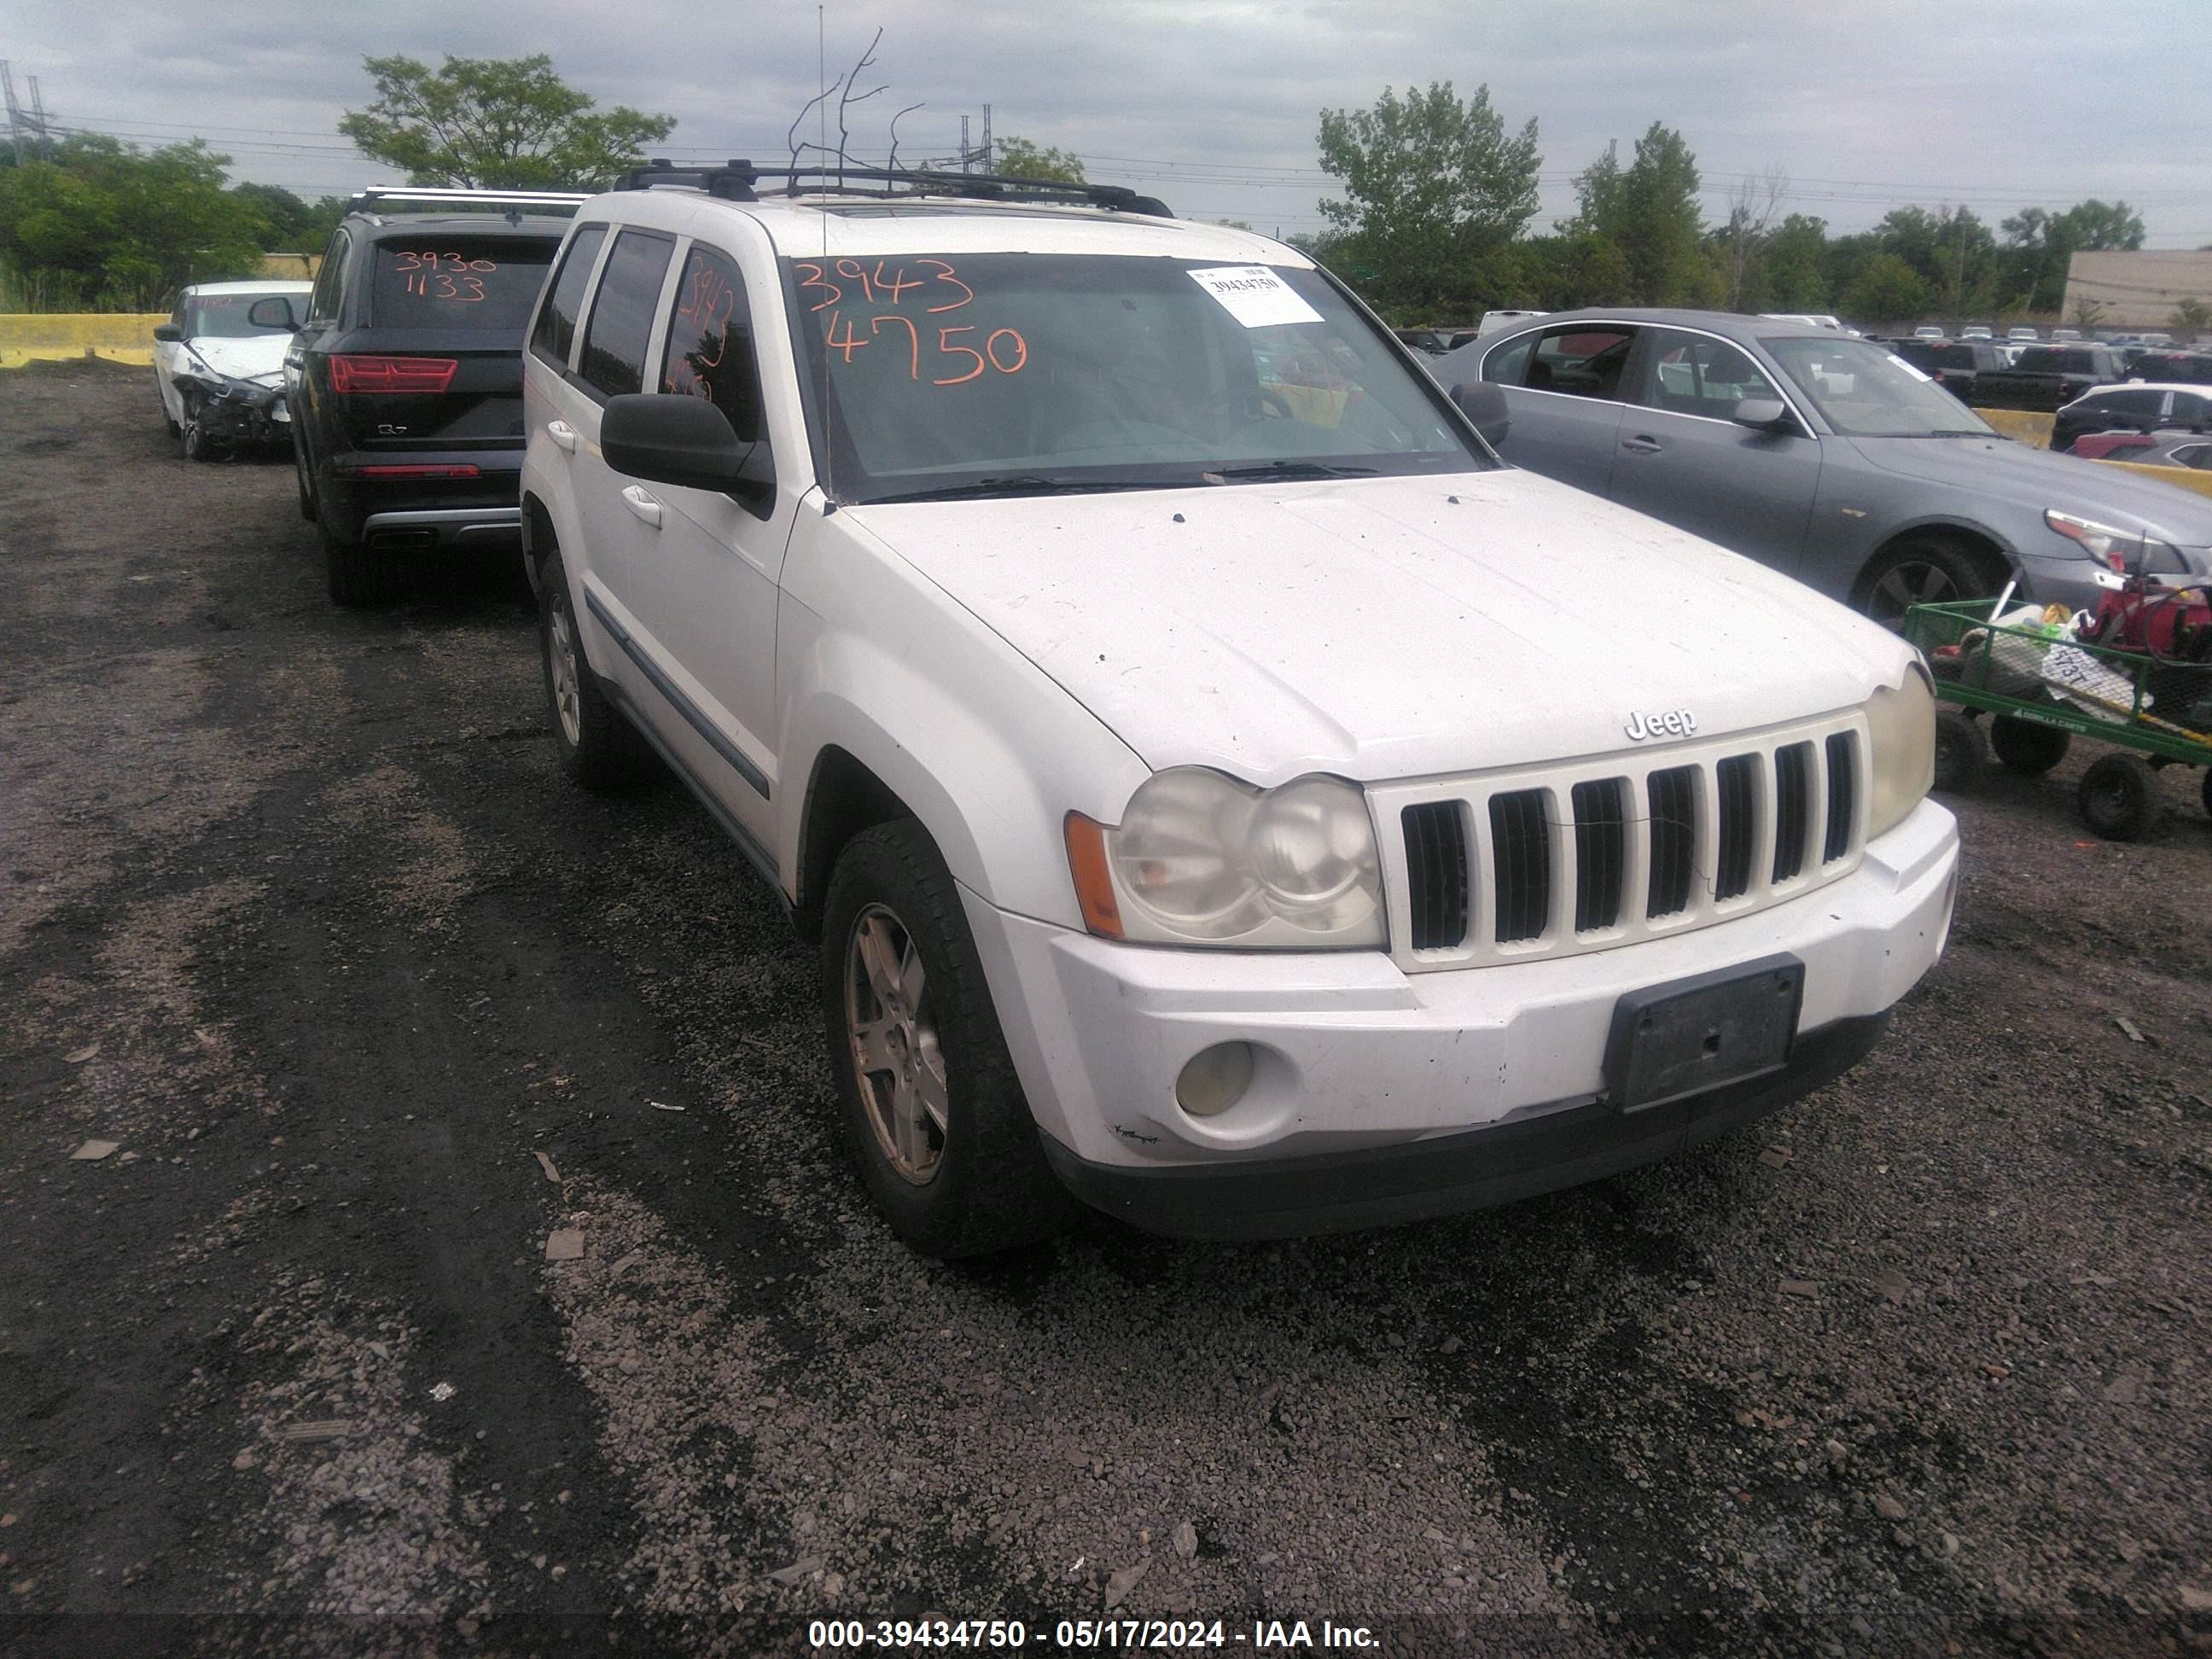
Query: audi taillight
[392, 374]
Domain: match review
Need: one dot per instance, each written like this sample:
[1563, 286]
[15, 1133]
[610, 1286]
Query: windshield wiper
[1287, 470]
[1026, 483]
[1959, 432]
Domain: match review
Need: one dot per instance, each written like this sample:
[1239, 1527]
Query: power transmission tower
[15, 135]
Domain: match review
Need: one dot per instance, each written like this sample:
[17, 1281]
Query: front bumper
[1416, 1181]
[1363, 1067]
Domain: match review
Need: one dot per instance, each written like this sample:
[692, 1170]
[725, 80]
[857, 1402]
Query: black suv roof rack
[733, 181]
[513, 202]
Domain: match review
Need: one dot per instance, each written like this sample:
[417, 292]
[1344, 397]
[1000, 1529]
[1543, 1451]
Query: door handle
[642, 506]
[562, 433]
[1642, 445]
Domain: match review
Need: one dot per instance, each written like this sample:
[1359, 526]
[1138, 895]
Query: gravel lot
[295, 909]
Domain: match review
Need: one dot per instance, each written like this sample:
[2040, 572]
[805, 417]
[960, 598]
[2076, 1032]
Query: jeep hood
[259, 359]
[2037, 480]
[1386, 627]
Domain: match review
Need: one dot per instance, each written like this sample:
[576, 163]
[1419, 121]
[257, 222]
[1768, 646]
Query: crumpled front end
[234, 413]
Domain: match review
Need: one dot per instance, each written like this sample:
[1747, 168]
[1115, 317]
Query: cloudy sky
[1213, 104]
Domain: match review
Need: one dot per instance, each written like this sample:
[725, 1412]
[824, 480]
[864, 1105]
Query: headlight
[1201, 859]
[2106, 544]
[1901, 734]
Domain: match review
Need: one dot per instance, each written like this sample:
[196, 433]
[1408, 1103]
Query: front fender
[984, 748]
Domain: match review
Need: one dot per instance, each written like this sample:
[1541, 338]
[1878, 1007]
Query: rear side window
[557, 319]
[1583, 359]
[710, 340]
[2189, 408]
[323, 303]
[620, 332]
[1508, 364]
[457, 282]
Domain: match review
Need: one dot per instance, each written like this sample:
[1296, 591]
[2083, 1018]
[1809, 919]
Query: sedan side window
[1508, 364]
[620, 332]
[2189, 408]
[2130, 403]
[1584, 361]
[710, 340]
[1696, 375]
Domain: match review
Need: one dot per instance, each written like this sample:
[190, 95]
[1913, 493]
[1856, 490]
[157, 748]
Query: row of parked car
[1219, 790]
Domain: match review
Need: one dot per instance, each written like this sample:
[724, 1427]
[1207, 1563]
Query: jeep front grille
[1555, 861]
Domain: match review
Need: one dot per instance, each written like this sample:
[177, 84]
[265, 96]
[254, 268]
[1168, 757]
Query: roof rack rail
[376, 195]
[733, 180]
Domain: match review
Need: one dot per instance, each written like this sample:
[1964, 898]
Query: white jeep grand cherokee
[1221, 789]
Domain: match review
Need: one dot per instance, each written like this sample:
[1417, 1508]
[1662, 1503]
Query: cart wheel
[2118, 798]
[2027, 747]
[1962, 752]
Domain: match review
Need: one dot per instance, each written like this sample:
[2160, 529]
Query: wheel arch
[1990, 555]
[844, 797]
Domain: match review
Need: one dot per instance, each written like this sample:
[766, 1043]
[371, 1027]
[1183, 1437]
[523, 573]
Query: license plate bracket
[1692, 1035]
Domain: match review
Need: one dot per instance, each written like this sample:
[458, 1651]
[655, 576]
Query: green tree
[2040, 245]
[492, 123]
[1789, 275]
[105, 224]
[1648, 209]
[1887, 290]
[291, 225]
[1432, 185]
[2192, 314]
[1018, 158]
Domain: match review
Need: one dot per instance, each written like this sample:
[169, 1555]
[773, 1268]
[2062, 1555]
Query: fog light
[1215, 1078]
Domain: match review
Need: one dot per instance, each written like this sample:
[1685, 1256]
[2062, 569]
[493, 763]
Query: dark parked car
[2047, 377]
[1957, 366]
[1822, 455]
[2132, 407]
[1433, 341]
[2192, 367]
[404, 379]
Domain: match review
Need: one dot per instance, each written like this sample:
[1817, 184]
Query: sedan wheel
[1917, 572]
[191, 437]
[896, 1059]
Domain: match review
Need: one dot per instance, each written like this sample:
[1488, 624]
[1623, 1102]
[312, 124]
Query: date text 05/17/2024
[1085, 1635]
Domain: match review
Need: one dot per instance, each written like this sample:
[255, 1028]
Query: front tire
[192, 439]
[931, 1110]
[599, 749]
[1918, 571]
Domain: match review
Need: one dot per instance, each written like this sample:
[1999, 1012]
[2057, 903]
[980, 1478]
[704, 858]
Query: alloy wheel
[893, 1037]
[1913, 582]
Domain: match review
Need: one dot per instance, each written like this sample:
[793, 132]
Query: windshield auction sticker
[1255, 295]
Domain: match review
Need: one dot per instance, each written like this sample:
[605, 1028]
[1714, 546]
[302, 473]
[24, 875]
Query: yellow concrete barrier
[2181, 478]
[2028, 425]
[123, 336]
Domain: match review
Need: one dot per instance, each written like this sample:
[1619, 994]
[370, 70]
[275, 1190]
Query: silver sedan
[1824, 456]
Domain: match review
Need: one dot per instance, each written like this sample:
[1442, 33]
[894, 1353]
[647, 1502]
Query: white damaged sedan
[219, 373]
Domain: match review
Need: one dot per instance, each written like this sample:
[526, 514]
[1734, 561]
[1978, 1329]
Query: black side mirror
[669, 438]
[1762, 414]
[1484, 404]
[168, 333]
[275, 312]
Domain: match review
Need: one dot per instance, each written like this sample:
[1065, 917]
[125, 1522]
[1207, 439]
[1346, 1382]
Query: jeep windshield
[963, 375]
[1864, 390]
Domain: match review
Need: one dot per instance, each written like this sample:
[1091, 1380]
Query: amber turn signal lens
[1094, 881]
